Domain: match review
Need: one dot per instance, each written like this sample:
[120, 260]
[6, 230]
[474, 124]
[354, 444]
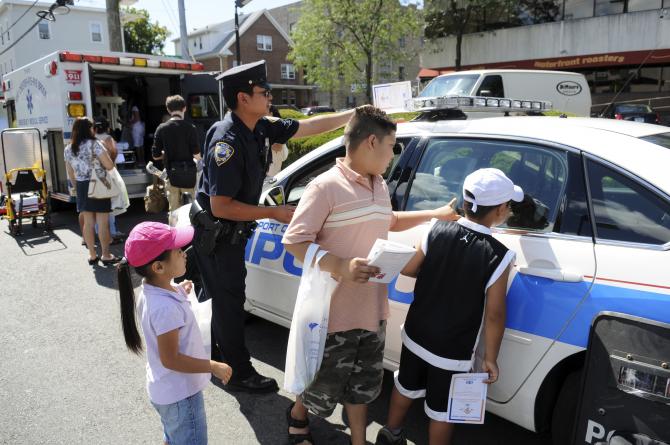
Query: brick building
[261, 37]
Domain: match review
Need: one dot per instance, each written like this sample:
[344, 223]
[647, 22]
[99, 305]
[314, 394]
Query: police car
[591, 236]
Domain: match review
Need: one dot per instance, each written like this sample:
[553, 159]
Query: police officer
[236, 156]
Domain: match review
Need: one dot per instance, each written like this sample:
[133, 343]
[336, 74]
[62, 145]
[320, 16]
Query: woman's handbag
[309, 326]
[100, 186]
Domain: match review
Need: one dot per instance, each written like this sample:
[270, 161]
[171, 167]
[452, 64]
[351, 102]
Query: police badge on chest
[222, 153]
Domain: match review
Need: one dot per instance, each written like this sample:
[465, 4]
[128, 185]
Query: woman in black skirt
[79, 161]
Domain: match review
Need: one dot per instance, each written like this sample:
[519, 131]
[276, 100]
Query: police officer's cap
[246, 75]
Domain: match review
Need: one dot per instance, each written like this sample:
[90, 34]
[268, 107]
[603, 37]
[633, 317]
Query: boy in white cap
[461, 284]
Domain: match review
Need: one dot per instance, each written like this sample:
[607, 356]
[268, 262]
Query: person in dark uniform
[236, 158]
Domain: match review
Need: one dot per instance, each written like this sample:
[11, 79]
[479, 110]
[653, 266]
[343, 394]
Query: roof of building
[228, 30]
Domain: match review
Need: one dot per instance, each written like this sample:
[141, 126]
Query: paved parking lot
[66, 377]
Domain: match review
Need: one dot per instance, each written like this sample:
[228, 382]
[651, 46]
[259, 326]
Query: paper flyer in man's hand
[467, 398]
[390, 257]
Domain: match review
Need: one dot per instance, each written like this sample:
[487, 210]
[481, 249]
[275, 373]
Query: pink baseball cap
[148, 240]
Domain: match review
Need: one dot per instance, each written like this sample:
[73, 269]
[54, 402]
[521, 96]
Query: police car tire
[565, 410]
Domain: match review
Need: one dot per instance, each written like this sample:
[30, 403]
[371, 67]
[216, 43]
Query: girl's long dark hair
[127, 300]
[81, 131]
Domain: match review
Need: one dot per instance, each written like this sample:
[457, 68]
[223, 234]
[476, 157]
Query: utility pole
[238, 4]
[183, 34]
[114, 25]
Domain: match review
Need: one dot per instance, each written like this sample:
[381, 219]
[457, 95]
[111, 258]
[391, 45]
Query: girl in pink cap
[178, 367]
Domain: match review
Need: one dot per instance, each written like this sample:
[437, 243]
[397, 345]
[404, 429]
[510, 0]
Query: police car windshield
[662, 139]
[450, 85]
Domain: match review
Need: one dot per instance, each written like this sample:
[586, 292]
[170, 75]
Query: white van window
[492, 86]
[448, 85]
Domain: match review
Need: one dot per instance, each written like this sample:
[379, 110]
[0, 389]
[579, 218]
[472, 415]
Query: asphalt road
[66, 377]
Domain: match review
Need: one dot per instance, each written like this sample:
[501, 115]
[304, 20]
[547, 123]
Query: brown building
[261, 37]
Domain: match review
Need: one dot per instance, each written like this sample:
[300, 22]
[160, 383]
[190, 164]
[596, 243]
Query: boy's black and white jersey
[445, 319]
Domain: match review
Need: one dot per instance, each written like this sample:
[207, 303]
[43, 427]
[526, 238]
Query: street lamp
[238, 4]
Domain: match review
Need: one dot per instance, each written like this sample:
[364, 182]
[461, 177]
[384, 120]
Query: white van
[568, 92]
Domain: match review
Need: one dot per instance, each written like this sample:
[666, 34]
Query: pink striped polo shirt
[342, 212]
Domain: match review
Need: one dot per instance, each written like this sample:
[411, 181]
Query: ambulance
[51, 92]
[591, 280]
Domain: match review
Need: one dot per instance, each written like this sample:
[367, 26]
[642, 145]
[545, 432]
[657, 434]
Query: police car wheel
[565, 410]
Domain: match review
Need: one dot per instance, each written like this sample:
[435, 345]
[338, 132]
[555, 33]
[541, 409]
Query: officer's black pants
[223, 274]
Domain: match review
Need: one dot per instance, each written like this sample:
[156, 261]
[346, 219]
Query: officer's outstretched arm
[228, 208]
[321, 124]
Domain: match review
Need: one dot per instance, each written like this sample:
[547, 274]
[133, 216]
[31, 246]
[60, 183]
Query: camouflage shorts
[351, 370]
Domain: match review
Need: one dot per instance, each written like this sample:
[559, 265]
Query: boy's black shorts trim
[416, 378]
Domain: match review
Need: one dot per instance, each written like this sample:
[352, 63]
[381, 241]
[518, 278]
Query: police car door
[553, 270]
[273, 274]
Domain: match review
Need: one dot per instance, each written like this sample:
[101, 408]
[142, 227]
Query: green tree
[344, 41]
[142, 36]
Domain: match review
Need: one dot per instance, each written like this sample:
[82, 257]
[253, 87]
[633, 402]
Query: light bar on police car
[475, 103]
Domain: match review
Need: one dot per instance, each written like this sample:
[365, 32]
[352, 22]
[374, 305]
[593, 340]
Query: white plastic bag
[309, 325]
[203, 315]
[120, 202]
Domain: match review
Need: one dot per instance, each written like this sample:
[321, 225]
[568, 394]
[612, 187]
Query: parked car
[286, 107]
[317, 109]
[592, 236]
[633, 112]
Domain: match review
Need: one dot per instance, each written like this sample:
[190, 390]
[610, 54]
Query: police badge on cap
[245, 75]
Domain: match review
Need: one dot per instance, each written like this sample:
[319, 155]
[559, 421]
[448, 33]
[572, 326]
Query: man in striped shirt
[345, 210]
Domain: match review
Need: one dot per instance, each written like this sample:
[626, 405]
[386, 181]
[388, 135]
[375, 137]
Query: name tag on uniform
[467, 398]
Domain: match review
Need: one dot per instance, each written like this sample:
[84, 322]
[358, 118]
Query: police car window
[625, 210]
[445, 163]
[662, 139]
[492, 86]
[297, 185]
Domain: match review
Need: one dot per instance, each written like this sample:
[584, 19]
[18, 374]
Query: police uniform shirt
[444, 321]
[235, 158]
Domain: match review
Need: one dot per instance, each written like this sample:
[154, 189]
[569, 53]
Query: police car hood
[614, 141]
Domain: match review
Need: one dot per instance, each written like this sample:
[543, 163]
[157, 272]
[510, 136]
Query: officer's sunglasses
[266, 93]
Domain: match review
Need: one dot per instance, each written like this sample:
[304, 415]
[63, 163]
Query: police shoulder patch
[222, 153]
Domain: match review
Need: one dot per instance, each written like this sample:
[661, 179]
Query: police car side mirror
[275, 196]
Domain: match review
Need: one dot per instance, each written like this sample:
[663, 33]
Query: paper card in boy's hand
[390, 257]
[467, 398]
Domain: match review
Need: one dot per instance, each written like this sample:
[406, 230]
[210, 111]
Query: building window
[44, 31]
[607, 7]
[290, 27]
[287, 71]
[644, 5]
[264, 43]
[195, 43]
[401, 73]
[401, 42]
[2, 36]
[200, 42]
[96, 32]
[577, 9]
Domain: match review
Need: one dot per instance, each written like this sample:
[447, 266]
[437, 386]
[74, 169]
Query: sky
[198, 12]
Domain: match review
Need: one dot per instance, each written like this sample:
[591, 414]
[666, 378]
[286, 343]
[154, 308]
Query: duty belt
[212, 231]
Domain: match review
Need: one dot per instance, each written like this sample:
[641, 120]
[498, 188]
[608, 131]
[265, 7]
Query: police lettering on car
[236, 159]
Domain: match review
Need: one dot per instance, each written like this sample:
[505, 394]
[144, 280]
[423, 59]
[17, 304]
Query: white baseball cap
[490, 187]
[135, 108]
